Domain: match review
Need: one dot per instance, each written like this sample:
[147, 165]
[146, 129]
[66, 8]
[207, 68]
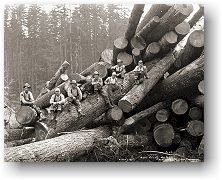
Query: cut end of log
[195, 128]
[195, 113]
[153, 48]
[156, 19]
[171, 37]
[26, 115]
[138, 42]
[196, 38]
[183, 28]
[179, 106]
[136, 52]
[162, 115]
[64, 77]
[201, 86]
[199, 100]
[125, 105]
[41, 131]
[121, 43]
[126, 58]
[107, 56]
[115, 113]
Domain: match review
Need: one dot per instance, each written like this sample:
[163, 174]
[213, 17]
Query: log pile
[164, 115]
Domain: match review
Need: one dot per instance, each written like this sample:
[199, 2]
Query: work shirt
[26, 97]
[119, 69]
[76, 92]
[97, 81]
[140, 69]
[60, 99]
[111, 80]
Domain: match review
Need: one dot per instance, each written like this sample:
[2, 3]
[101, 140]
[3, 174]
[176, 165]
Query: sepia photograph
[104, 83]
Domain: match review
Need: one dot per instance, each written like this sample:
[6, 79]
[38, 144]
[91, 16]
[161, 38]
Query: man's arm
[52, 99]
[69, 92]
[93, 81]
[22, 99]
[107, 80]
[62, 101]
[31, 96]
[79, 93]
[100, 81]
[136, 69]
[124, 69]
[145, 71]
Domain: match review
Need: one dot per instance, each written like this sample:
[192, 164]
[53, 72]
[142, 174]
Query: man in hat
[97, 83]
[87, 87]
[112, 85]
[119, 69]
[26, 97]
[140, 72]
[74, 96]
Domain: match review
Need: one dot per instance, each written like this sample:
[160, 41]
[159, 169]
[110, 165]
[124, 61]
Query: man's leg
[79, 107]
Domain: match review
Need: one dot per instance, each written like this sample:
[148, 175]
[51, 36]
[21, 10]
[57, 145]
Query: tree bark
[18, 134]
[62, 148]
[152, 51]
[181, 84]
[196, 16]
[155, 10]
[120, 45]
[182, 30]
[138, 92]
[26, 115]
[174, 16]
[134, 20]
[107, 56]
[18, 142]
[179, 106]
[130, 122]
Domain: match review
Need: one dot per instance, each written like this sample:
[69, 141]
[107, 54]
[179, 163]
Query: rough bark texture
[138, 92]
[107, 56]
[78, 77]
[120, 45]
[183, 83]
[134, 20]
[18, 134]
[152, 51]
[62, 148]
[182, 30]
[26, 115]
[155, 10]
[52, 82]
[179, 106]
[197, 16]
[174, 16]
[130, 122]
[18, 142]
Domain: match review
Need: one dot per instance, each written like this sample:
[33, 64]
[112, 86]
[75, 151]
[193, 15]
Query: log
[136, 55]
[184, 149]
[101, 67]
[148, 27]
[18, 134]
[62, 148]
[179, 106]
[114, 114]
[162, 115]
[78, 77]
[127, 60]
[138, 43]
[52, 82]
[119, 45]
[199, 101]
[19, 142]
[163, 135]
[134, 20]
[195, 113]
[196, 16]
[26, 115]
[177, 138]
[131, 121]
[195, 128]
[10, 117]
[41, 131]
[152, 51]
[63, 78]
[138, 92]
[181, 84]
[201, 86]
[168, 42]
[142, 127]
[191, 51]
[155, 10]
[107, 56]
[174, 16]
[201, 147]
[182, 30]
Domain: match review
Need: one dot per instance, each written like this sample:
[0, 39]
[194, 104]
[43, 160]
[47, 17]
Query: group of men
[93, 85]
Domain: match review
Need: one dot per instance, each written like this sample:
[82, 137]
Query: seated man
[74, 96]
[97, 84]
[26, 97]
[112, 85]
[87, 88]
[57, 101]
[140, 72]
[119, 69]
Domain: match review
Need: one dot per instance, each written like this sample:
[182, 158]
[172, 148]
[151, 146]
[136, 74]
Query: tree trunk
[201, 86]
[79, 78]
[120, 45]
[136, 55]
[177, 138]
[138, 92]
[162, 115]
[195, 113]
[195, 128]
[52, 82]
[26, 115]
[191, 51]
[182, 30]
[130, 122]
[107, 56]
[138, 43]
[183, 83]
[114, 114]
[134, 20]
[18, 134]
[152, 51]
[174, 16]
[63, 78]
[127, 60]
[197, 16]
[18, 142]
[62, 148]
[179, 106]
[164, 135]
[148, 27]
[155, 10]
[199, 101]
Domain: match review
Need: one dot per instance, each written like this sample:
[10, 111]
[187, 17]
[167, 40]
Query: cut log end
[121, 43]
[138, 42]
[126, 58]
[201, 86]
[125, 105]
[41, 131]
[153, 48]
[183, 28]
[136, 52]
[184, 9]
[195, 113]
[107, 56]
[26, 115]
[195, 128]
[179, 106]
[162, 115]
[199, 101]
[115, 113]
[196, 38]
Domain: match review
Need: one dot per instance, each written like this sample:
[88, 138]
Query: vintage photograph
[104, 83]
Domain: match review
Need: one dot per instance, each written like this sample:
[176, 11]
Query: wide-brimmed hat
[96, 73]
[119, 61]
[114, 73]
[140, 62]
[73, 82]
[27, 85]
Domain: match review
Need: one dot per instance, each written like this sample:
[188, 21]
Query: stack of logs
[164, 113]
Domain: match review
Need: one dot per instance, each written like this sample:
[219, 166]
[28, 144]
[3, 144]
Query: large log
[131, 121]
[63, 78]
[136, 55]
[196, 16]
[10, 118]
[18, 134]
[127, 60]
[114, 114]
[179, 106]
[26, 115]
[78, 77]
[134, 20]
[62, 148]
[199, 100]
[201, 86]
[138, 43]
[138, 92]
[107, 56]
[18, 142]
[119, 45]
[152, 51]
[155, 10]
[191, 51]
[162, 115]
[195, 113]
[195, 128]
[183, 83]
[52, 82]
[182, 30]
[174, 16]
